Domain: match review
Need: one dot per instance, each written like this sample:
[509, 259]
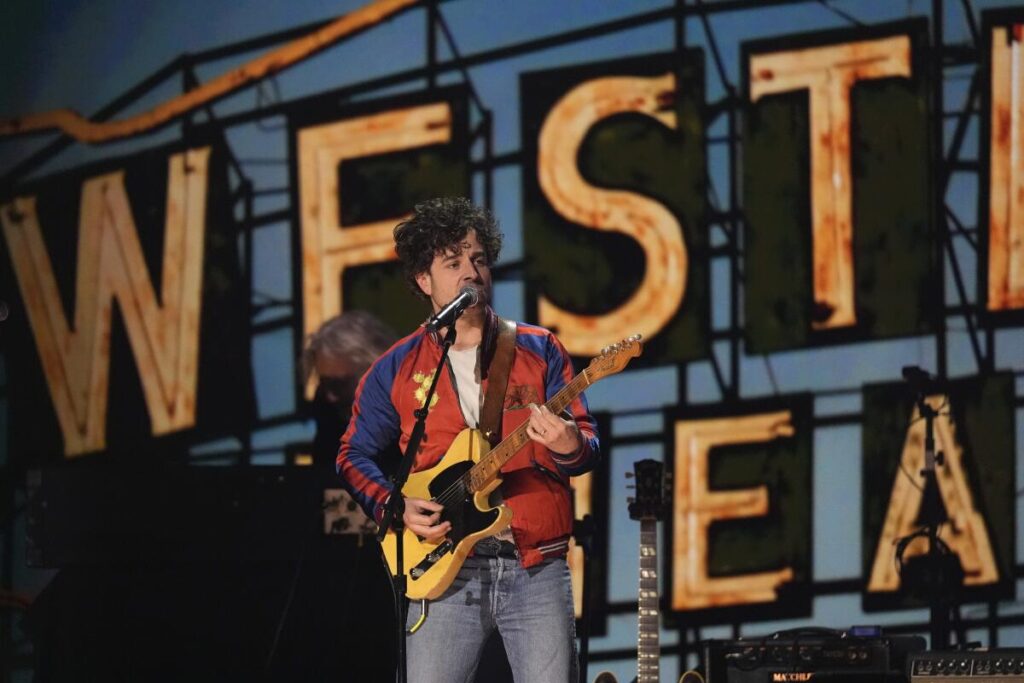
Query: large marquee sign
[131, 333]
[613, 204]
[1002, 282]
[359, 170]
[837, 188]
[740, 527]
[973, 433]
[154, 233]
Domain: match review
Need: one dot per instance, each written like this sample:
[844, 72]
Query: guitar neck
[648, 650]
[487, 469]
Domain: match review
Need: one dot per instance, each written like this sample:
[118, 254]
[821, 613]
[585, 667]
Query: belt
[491, 547]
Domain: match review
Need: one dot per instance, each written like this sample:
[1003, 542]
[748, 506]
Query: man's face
[337, 380]
[465, 264]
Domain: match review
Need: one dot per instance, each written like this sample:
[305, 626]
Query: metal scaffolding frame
[725, 217]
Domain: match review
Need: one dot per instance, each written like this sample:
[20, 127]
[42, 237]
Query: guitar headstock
[614, 358]
[650, 499]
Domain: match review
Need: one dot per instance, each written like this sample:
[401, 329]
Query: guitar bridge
[432, 558]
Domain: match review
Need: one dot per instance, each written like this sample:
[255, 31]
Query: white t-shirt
[465, 364]
[467, 382]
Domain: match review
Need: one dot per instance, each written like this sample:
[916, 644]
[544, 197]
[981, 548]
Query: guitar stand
[394, 509]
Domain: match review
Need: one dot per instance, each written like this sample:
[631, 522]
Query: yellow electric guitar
[463, 481]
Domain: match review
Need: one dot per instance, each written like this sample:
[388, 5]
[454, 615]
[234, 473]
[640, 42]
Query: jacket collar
[489, 339]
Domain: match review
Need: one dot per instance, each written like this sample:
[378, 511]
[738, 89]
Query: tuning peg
[631, 486]
[629, 475]
[631, 500]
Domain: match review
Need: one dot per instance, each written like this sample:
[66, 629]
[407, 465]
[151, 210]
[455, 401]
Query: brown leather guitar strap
[497, 372]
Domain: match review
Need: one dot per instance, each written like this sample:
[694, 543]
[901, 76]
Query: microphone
[917, 376]
[468, 296]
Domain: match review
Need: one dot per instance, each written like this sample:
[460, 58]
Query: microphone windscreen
[912, 373]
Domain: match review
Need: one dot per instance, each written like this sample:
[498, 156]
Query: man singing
[517, 581]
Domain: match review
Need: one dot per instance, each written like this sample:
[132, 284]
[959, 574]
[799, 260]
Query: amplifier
[969, 666]
[814, 655]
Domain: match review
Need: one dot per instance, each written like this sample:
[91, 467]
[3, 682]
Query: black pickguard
[465, 517]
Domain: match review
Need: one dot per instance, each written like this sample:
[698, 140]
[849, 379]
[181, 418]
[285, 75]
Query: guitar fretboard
[648, 650]
[487, 469]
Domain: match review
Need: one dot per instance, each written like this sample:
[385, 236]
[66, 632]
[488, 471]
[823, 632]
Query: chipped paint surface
[828, 74]
[328, 247]
[653, 226]
[965, 533]
[164, 338]
[1006, 173]
[582, 488]
[696, 508]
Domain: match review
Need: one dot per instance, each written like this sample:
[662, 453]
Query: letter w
[164, 338]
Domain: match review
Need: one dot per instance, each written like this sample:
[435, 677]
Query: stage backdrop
[791, 204]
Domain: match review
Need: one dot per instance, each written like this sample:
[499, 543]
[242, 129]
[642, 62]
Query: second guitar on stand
[648, 506]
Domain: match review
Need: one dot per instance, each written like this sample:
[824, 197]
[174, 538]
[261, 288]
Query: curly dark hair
[437, 226]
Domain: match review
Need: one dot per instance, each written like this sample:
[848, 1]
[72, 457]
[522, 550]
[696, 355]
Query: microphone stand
[394, 509]
[932, 517]
[937, 575]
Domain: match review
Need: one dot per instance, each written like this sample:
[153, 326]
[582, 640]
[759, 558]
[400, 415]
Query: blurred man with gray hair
[337, 355]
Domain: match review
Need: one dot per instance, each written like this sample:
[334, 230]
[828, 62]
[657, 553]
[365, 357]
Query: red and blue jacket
[535, 482]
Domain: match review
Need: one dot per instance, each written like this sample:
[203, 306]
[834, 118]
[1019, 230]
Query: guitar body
[430, 566]
[463, 482]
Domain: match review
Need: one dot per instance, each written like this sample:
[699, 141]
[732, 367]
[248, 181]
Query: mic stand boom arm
[394, 509]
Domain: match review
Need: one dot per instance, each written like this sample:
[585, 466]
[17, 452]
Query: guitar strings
[457, 490]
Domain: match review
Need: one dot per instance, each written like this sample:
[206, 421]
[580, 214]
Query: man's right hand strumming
[423, 518]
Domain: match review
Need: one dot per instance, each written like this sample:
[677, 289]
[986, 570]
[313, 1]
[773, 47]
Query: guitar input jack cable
[419, 622]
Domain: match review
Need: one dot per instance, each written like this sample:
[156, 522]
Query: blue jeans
[531, 608]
